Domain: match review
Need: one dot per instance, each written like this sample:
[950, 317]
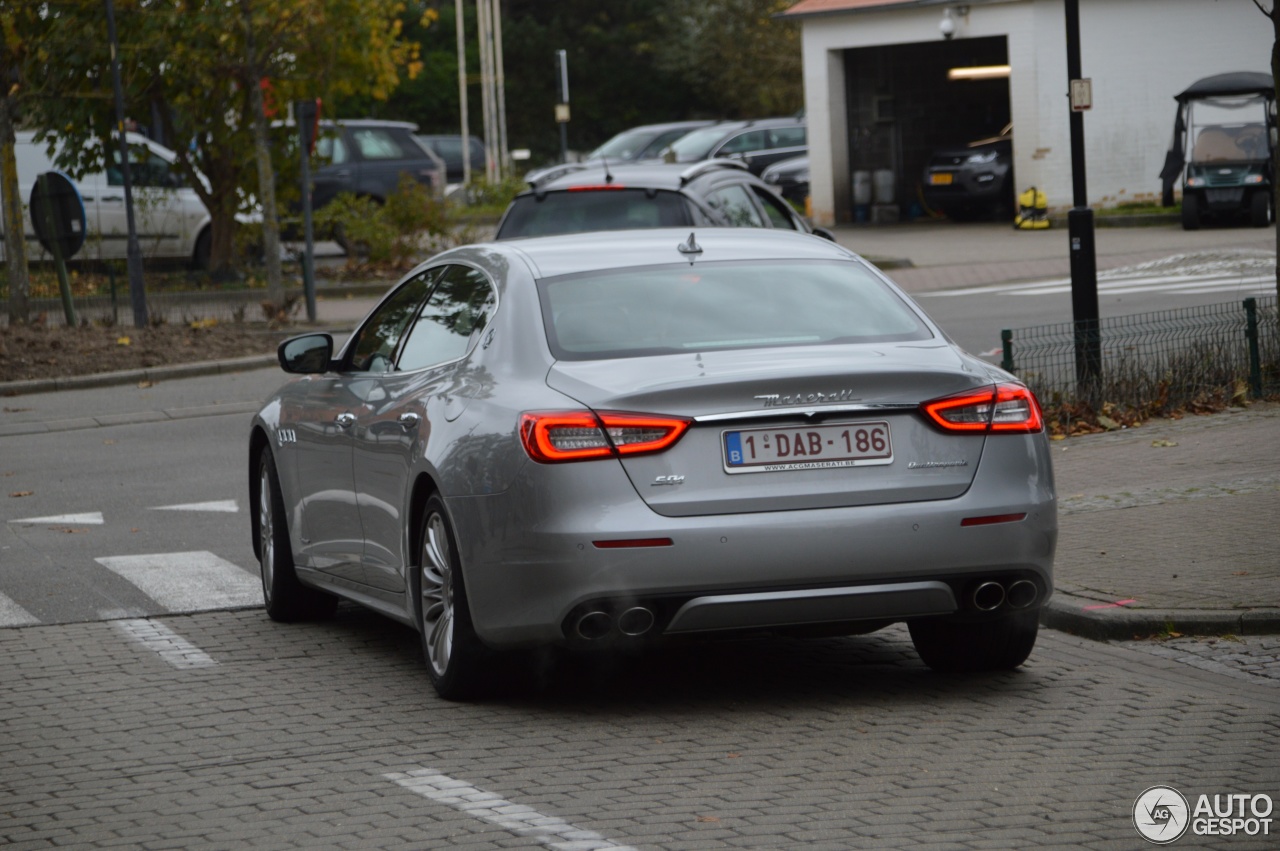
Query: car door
[404, 412]
[159, 218]
[383, 154]
[332, 534]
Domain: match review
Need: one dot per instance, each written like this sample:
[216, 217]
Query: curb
[133, 376]
[1072, 614]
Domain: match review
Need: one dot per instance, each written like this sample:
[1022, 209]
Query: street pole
[1084, 262]
[133, 252]
[305, 115]
[562, 108]
[462, 92]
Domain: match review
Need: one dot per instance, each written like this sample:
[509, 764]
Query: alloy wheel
[266, 533]
[437, 594]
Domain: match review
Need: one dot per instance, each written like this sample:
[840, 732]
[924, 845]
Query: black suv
[758, 144]
[598, 196]
[367, 156]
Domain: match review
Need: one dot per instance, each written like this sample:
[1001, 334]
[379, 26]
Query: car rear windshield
[579, 211]
[733, 305]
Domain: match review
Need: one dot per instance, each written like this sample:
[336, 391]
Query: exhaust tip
[1022, 594]
[635, 621]
[988, 596]
[593, 626]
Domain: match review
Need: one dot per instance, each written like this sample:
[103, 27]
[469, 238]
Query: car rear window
[593, 210]
[712, 306]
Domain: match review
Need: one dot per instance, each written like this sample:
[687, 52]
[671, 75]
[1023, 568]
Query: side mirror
[824, 233]
[306, 355]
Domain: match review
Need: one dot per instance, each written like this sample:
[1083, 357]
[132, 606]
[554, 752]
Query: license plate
[942, 178]
[770, 450]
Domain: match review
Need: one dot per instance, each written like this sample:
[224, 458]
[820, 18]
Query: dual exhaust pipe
[597, 623]
[989, 596]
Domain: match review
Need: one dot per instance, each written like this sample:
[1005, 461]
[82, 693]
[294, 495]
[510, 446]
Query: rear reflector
[634, 542]
[556, 436]
[1001, 407]
[993, 518]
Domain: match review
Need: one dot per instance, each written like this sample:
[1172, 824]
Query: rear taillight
[999, 408]
[555, 436]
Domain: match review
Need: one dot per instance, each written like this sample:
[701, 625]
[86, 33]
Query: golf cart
[1223, 140]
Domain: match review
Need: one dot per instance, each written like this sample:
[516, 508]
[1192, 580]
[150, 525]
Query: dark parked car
[643, 143]
[790, 178]
[759, 143]
[366, 157]
[610, 439]
[973, 181]
[598, 196]
[449, 149]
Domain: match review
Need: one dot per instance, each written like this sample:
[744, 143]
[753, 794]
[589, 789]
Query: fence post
[1255, 357]
[1006, 340]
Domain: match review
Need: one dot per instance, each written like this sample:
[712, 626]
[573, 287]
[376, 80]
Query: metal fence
[1165, 359]
[176, 307]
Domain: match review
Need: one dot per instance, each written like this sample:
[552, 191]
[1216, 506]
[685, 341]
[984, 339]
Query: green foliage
[385, 234]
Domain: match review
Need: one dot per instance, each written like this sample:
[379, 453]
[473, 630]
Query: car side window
[787, 137]
[375, 143]
[775, 210]
[743, 142]
[374, 347]
[455, 314]
[734, 204]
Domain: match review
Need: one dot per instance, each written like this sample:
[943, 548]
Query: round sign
[57, 213]
[1161, 814]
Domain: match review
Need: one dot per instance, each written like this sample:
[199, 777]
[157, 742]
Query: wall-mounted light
[948, 24]
[979, 72]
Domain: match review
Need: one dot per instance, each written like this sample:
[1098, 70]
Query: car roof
[551, 256]
[671, 176]
[367, 122]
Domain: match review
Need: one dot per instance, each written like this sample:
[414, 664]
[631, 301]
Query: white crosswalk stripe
[11, 614]
[1228, 284]
[188, 582]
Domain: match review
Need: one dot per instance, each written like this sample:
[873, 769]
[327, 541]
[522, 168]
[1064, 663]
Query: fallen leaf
[16, 494]
[135, 530]
[123, 341]
[1160, 444]
[143, 385]
[1058, 437]
[17, 410]
[1241, 573]
[108, 442]
[708, 818]
[1107, 423]
[734, 755]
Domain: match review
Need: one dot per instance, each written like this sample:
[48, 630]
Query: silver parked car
[609, 438]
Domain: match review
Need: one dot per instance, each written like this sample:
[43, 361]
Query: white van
[170, 219]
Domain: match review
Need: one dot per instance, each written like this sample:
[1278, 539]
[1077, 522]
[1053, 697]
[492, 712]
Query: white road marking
[519, 819]
[173, 648]
[227, 505]
[1126, 284]
[188, 582]
[11, 614]
[92, 518]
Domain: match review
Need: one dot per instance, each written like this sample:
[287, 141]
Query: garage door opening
[904, 107]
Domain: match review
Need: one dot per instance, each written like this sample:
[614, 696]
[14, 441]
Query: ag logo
[1161, 814]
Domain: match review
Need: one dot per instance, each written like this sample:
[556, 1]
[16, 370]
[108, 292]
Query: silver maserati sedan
[608, 439]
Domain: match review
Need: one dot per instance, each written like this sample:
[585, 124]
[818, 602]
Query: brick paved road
[223, 729]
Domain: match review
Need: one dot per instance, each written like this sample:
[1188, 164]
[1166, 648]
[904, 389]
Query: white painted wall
[1139, 54]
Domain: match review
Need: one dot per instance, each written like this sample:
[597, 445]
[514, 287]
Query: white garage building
[878, 97]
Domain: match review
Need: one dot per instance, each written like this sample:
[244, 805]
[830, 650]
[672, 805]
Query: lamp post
[1084, 262]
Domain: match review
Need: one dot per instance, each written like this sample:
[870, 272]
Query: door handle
[112, 198]
[409, 420]
[345, 420]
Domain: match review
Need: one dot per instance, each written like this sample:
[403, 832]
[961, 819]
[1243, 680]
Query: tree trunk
[15, 240]
[266, 174]
[1275, 149]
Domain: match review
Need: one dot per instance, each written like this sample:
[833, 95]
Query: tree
[20, 56]
[1274, 14]
[197, 67]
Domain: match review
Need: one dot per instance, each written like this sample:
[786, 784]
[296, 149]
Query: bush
[388, 233]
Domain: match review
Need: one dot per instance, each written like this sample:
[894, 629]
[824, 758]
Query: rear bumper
[532, 567]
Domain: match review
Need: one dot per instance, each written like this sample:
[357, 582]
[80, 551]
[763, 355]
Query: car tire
[203, 251]
[1260, 209]
[1190, 212]
[454, 655]
[285, 598]
[1000, 643]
